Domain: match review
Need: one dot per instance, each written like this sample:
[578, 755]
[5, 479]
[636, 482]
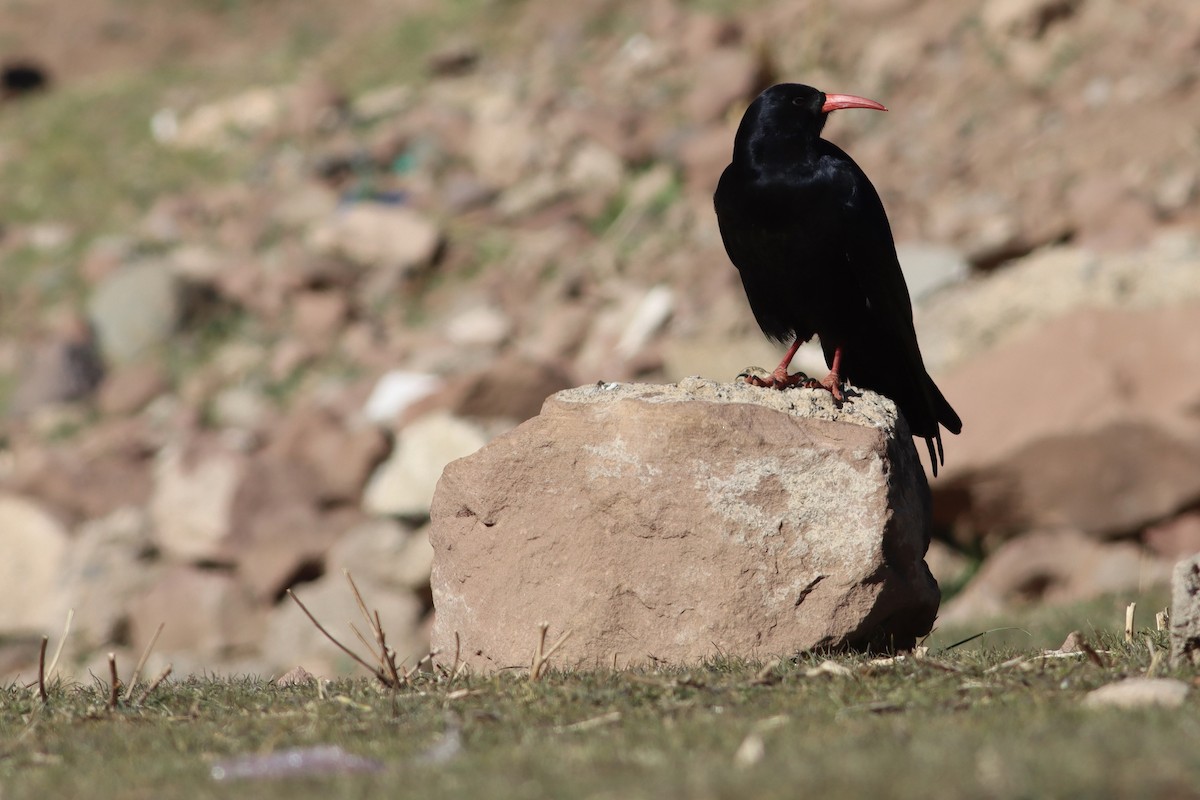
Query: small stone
[1138, 693]
[135, 309]
[296, 676]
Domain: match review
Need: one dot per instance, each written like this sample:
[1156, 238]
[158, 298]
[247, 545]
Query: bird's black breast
[787, 235]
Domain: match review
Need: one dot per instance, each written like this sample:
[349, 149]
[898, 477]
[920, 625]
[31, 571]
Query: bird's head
[795, 111]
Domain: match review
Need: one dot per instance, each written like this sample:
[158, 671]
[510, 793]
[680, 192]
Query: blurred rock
[340, 458]
[204, 613]
[510, 388]
[1112, 448]
[35, 546]
[1174, 538]
[215, 125]
[192, 506]
[505, 140]
[106, 466]
[966, 319]
[318, 316]
[282, 531]
[386, 553]
[1028, 19]
[1052, 567]
[949, 567]
[381, 236]
[105, 569]
[1138, 692]
[129, 388]
[395, 392]
[929, 267]
[591, 507]
[62, 370]
[479, 326]
[1185, 612]
[403, 485]
[135, 309]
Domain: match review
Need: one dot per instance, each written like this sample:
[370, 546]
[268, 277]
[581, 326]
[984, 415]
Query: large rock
[1185, 612]
[679, 522]
[1109, 446]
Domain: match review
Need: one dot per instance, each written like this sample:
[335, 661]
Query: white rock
[929, 267]
[480, 326]
[396, 391]
[379, 235]
[648, 319]
[34, 545]
[1138, 693]
[403, 485]
[193, 502]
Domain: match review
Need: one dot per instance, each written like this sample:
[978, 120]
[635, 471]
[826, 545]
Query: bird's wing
[870, 251]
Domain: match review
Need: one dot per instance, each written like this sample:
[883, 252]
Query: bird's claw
[831, 383]
[779, 379]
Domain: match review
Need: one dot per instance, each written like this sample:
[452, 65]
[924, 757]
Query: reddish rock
[103, 469]
[678, 522]
[279, 531]
[1110, 445]
[1174, 538]
[339, 457]
[204, 613]
[1062, 566]
[511, 388]
[128, 389]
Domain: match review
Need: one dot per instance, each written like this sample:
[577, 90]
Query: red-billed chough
[808, 233]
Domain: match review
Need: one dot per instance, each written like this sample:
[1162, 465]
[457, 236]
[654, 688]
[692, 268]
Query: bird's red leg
[833, 381]
[780, 379]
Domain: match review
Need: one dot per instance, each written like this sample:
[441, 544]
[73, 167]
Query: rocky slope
[254, 384]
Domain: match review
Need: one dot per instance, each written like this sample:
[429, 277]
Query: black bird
[808, 233]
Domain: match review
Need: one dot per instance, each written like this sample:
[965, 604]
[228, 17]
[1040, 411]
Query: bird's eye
[797, 101]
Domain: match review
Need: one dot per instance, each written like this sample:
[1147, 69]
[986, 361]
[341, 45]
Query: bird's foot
[831, 383]
[779, 379]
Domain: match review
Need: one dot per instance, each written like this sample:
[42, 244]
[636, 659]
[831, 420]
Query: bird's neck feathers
[764, 141]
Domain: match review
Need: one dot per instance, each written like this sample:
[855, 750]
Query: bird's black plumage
[809, 236]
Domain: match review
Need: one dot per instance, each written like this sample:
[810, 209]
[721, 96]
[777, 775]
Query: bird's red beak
[835, 101]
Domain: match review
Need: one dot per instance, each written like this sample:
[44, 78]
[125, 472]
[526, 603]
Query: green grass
[955, 724]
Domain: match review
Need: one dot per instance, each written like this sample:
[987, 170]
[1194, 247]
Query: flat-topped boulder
[670, 523]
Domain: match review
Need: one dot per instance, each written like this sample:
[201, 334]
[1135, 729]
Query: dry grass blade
[114, 683]
[973, 637]
[154, 684]
[61, 642]
[541, 656]
[388, 671]
[1130, 611]
[42, 670]
[331, 638]
[137, 671]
